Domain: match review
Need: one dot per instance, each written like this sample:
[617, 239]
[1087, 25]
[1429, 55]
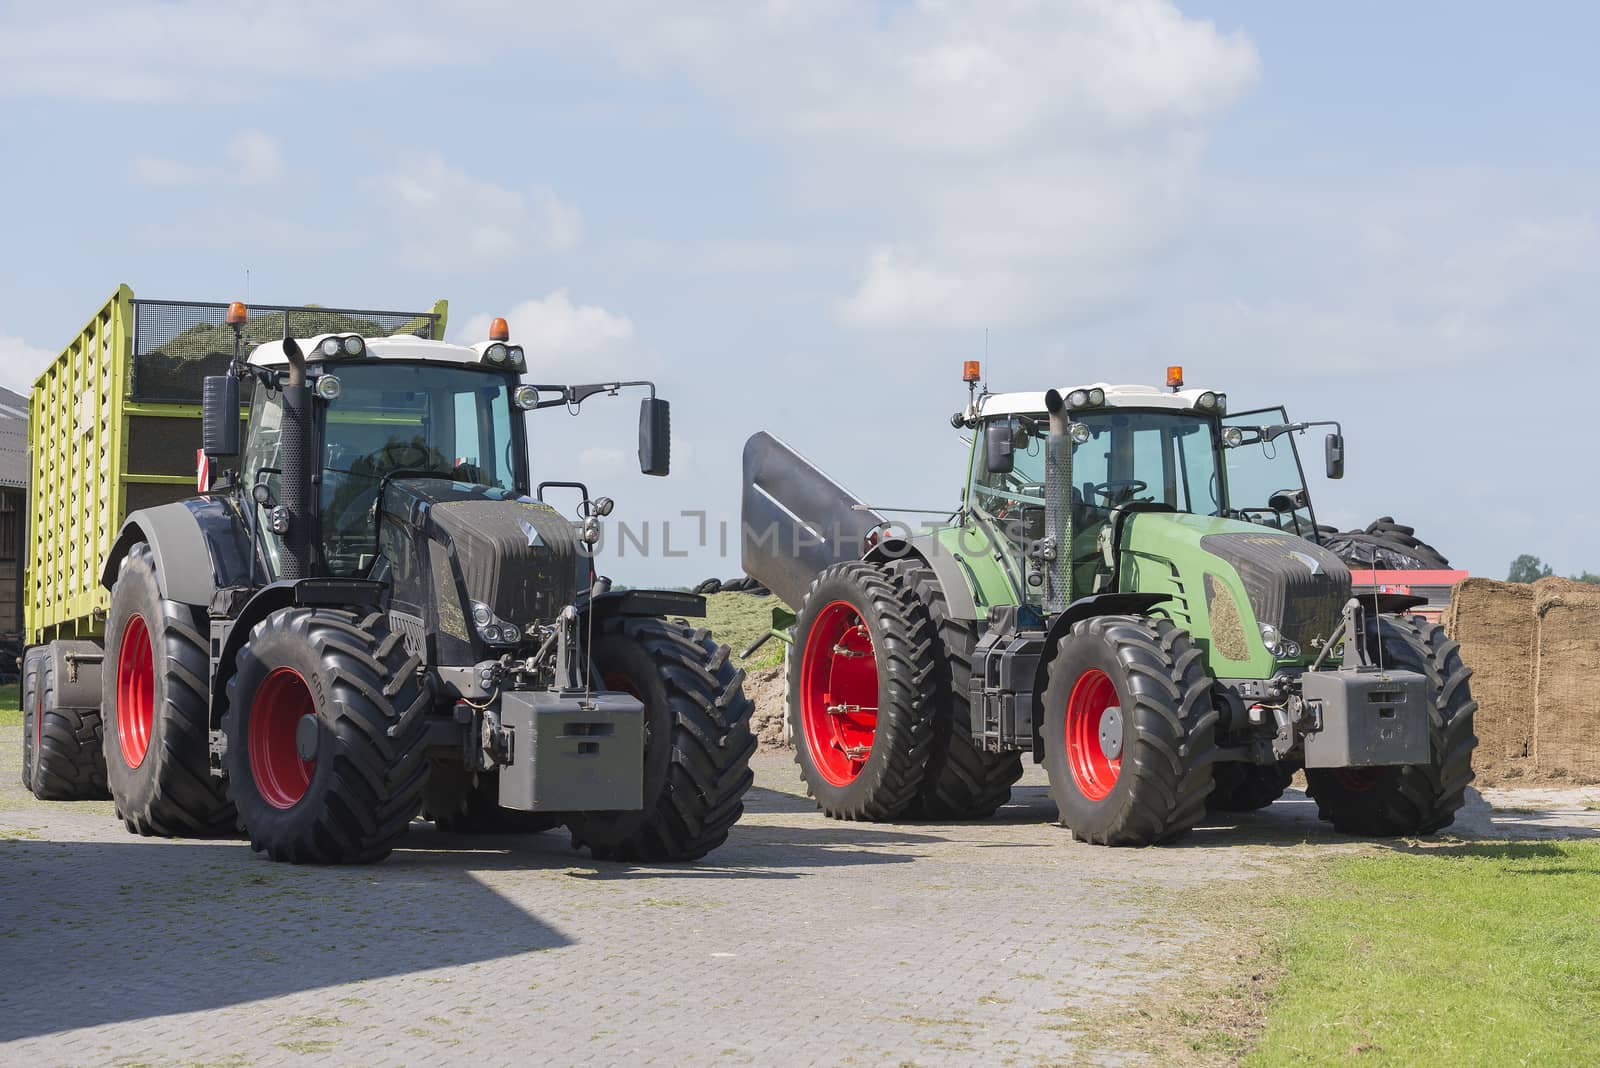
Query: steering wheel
[400, 455]
[1128, 486]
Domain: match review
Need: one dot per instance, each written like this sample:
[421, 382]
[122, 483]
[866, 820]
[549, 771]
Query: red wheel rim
[281, 776]
[1093, 771]
[136, 692]
[616, 680]
[1357, 780]
[839, 693]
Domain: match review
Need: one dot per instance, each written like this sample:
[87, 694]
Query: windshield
[453, 422]
[1164, 457]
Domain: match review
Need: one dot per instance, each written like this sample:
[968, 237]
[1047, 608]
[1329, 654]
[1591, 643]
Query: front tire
[697, 741]
[1385, 802]
[326, 726]
[155, 704]
[862, 691]
[1129, 731]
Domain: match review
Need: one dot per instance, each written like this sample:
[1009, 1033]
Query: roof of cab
[1117, 396]
[399, 347]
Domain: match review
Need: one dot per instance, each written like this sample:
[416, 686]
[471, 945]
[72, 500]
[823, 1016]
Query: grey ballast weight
[572, 755]
[1368, 718]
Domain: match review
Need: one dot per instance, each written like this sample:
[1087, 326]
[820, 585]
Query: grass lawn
[737, 619]
[9, 714]
[1483, 954]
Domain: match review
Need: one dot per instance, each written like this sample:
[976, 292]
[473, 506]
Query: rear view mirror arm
[568, 396]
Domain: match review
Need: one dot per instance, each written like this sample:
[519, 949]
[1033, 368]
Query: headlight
[1078, 398]
[481, 614]
[1079, 433]
[330, 347]
[526, 397]
[1232, 437]
[1097, 397]
[1208, 401]
[329, 388]
[1277, 644]
[1222, 404]
[496, 353]
[517, 359]
[353, 346]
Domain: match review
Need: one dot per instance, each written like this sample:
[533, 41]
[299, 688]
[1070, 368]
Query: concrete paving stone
[801, 941]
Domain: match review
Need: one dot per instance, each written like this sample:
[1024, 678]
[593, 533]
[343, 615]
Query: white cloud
[251, 158]
[20, 363]
[153, 170]
[450, 218]
[564, 339]
[255, 158]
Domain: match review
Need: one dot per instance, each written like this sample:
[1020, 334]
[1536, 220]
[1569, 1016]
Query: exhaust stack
[297, 466]
[1058, 503]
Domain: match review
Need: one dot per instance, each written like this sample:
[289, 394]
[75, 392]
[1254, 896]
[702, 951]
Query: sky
[801, 217]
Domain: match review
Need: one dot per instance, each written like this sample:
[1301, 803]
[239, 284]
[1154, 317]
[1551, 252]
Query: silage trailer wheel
[697, 741]
[326, 734]
[67, 762]
[862, 692]
[1129, 731]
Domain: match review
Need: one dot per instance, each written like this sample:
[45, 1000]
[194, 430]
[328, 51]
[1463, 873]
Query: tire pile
[742, 584]
[1383, 546]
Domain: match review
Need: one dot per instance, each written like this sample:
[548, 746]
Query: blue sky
[802, 217]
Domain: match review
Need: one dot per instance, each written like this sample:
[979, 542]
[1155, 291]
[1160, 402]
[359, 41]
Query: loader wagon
[288, 572]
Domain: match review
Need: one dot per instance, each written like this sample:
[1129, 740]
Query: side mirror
[655, 436]
[1333, 448]
[999, 444]
[219, 409]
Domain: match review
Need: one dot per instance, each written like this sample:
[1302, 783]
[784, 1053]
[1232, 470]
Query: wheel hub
[1111, 732]
[305, 737]
[839, 693]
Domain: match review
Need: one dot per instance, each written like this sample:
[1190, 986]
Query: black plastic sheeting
[1383, 546]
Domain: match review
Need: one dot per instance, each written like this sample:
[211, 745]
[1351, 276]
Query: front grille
[1298, 587]
[517, 557]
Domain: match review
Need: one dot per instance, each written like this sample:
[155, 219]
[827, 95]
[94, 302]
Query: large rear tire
[1414, 798]
[697, 742]
[1129, 731]
[1246, 787]
[326, 726]
[155, 705]
[962, 781]
[862, 691]
[68, 762]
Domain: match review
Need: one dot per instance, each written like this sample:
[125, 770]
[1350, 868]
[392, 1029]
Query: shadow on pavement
[99, 932]
[103, 932]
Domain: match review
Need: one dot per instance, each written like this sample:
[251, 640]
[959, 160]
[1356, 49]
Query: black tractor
[373, 613]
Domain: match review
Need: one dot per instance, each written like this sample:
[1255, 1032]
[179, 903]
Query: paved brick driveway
[802, 941]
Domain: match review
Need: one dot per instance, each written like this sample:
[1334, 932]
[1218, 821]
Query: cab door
[1266, 482]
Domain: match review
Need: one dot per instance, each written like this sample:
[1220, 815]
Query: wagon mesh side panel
[178, 343]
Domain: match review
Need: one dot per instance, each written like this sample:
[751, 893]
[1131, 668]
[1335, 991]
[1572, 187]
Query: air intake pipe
[297, 466]
[1058, 503]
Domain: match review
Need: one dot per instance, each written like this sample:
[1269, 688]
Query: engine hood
[510, 552]
[1225, 577]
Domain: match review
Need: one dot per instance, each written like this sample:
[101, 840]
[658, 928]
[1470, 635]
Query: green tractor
[1129, 593]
